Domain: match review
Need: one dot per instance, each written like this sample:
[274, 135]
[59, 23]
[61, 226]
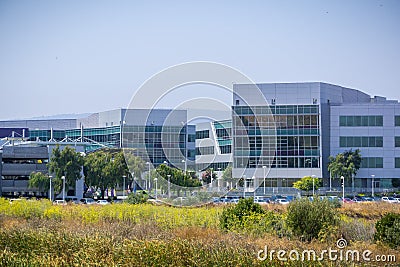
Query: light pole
[50, 197]
[313, 184]
[63, 194]
[184, 161]
[211, 176]
[373, 181]
[148, 163]
[254, 186]
[244, 186]
[155, 181]
[134, 184]
[264, 168]
[342, 178]
[123, 189]
[169, 185]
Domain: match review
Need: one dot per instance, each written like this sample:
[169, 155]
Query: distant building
[290, 137]
[314, 121]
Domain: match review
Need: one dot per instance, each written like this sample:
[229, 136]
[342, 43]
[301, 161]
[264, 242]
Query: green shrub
[388, 230]
[137, 198]
[307, 218]
[247, 216]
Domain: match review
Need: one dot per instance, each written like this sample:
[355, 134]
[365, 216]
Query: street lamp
[244, 186]
[169, 185]
[264, 168]
[148, 163]
[134, 184]
[184, 161]
[123, 189]
[63, 194]
[219, 179]
[155, 181]
[342, 178]
[373, 185]
[313, 184]
[254, 186]
[50, 197]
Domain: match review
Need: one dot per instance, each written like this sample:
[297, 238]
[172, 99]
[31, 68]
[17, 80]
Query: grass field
[37, 233]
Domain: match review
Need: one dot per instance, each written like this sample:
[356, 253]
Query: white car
[389, 199]
[282, 201]
[60, 202]
[88, 201]
[102, 202]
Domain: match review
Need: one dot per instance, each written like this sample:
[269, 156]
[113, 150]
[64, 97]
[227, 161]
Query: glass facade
[297, 136]
[158, 143]
[397, 121]
[206, 150]
[397, 141]
[223, 130]
[371, 162]
[45, 135]
[361, 141]
[357, 121]
[397, 163]
[215, 166]
[108, 136]
[202, 134]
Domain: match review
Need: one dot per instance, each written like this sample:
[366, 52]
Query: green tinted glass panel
[397, 121]
[397, 163]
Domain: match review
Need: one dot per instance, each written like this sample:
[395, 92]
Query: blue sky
[86, 56]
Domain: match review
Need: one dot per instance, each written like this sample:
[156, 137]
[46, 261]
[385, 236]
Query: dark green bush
[238, 216]
[307, 218]
[137, 198]
[388, 230]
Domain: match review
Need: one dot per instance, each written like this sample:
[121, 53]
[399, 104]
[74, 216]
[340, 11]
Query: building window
[372, 162]
[397, 141]
[357, 121]
[191, 138]
[361, 141]
[397, 162]
[397, 121]
[202, 134]
[226, 149]
[206, 150]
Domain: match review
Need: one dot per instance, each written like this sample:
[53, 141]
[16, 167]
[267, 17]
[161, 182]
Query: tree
[66, 162]
[41, 181]
[308, 218]
[306, 183]
[206, 176]
[104, 169]
[395, 182]
[177, 177]
[345, 164]
[135, 164]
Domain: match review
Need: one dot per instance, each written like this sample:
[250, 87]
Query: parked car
[389, 199]
[60, 202]
[282, 201]
[72, 199]
[102, 202]
[368, 199]
[88, 201]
